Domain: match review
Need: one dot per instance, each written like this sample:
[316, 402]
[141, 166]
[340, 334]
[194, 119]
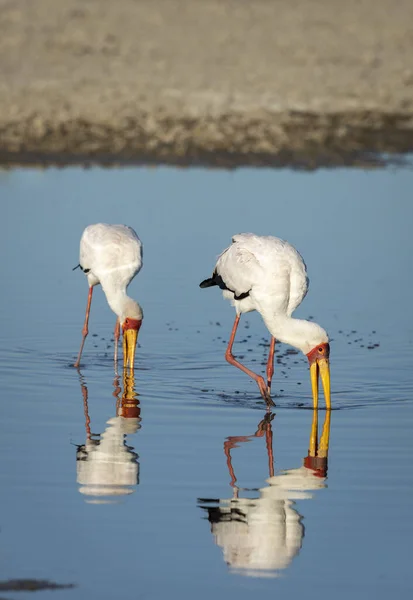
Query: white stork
[267, 274]
[112, 255]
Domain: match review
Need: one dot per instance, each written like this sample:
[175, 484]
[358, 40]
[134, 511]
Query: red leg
[117, 336]
[86, 410]
[268, 440]
[270, 364]
[227, 450]
[85, 329]
[231, 443]
[264, 428]
[230, 358]
[117, 390]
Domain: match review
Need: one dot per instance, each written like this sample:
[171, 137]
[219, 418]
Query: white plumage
[110, 249]
[108, 467]
[112, 255]
[262, 535]
[267, 274]
[269, 269]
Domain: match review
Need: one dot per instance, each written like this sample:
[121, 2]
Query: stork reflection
[260, 536]
[108, 468]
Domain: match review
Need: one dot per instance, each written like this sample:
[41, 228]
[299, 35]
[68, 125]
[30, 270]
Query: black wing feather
[216, 279]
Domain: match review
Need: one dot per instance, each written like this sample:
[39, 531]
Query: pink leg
[117, 336]
[230, 358]
[264, 428]
[117, 390]
[270, 364]
[85, 329]
[227, 450]
[268, 440]
[231, 443]
[86, 410]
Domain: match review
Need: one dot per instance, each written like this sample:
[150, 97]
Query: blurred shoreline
[207, 82]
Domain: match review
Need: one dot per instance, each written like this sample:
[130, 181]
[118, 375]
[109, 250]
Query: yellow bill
[320, 367]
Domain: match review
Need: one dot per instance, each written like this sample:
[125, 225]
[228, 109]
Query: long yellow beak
[130, 337]
[320, 367]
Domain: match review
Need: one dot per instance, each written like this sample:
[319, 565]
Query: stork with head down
[267, 274]
[112, 255]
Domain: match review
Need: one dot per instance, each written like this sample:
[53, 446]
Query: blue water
[119, 505]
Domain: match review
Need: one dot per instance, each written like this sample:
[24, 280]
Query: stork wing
[238, 268]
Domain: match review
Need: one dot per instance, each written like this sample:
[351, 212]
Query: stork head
[130, 322]
[319, 359]
[313, 341]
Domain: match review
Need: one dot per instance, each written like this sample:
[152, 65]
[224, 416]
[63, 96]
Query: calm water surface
[175, 483]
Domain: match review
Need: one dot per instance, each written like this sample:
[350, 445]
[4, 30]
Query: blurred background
[218, 82]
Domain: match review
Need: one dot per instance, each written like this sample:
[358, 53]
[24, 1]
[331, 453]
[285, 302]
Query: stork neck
[296, 332]
[117, 299]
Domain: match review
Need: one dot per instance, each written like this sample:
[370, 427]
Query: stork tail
[211, 281]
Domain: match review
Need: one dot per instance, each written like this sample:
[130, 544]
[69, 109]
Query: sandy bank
[205, 81]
